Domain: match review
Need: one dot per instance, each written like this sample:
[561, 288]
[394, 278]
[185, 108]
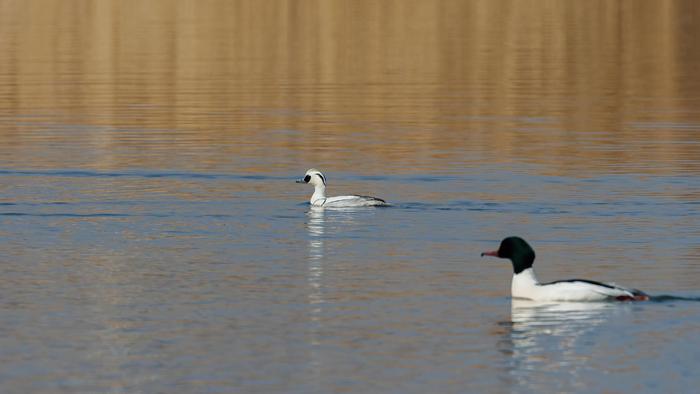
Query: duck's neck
[523, 283]
[319, 193]
[527, 276]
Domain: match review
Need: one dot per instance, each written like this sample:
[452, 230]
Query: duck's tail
[637, 295]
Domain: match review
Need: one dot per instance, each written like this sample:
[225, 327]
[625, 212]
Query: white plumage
[319, 199]
[525, 285]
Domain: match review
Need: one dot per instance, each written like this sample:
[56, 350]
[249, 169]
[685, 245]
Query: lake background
[152, 238]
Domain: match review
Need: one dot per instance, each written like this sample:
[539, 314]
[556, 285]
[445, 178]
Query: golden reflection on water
[571, 86]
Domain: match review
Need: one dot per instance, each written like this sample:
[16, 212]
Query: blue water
[176, 281]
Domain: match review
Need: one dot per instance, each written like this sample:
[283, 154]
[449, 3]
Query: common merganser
[319, 199]
[525, 283]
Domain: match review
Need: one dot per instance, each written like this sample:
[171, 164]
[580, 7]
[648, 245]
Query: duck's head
[314, 177]
[517, 251]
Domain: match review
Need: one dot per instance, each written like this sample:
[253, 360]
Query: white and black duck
[525, 284]
[318, 199]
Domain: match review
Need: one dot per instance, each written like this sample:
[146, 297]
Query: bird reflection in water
[544, 338]
[316, 230]
[315, 226]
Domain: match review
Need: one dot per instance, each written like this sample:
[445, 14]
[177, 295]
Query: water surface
[153, 238]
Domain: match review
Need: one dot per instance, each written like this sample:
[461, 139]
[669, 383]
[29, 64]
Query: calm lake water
[152, 238]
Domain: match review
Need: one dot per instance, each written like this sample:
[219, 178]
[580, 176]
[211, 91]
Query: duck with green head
[525, 284]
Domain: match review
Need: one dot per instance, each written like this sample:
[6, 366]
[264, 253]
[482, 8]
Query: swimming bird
[319, 199]
[525, 283]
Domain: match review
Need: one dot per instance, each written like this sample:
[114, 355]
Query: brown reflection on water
[576, 87]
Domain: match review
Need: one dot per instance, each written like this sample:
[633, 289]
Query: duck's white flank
[525, 285]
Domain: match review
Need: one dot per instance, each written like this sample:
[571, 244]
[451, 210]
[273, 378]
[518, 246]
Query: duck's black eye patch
[307, 178]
